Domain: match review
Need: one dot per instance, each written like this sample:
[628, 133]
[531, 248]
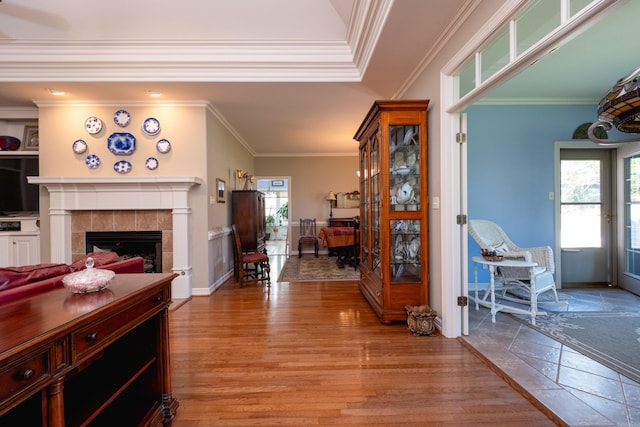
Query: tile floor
[577, 389]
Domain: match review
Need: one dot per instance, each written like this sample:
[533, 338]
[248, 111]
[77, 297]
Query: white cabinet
[18, 249]
[19, 241]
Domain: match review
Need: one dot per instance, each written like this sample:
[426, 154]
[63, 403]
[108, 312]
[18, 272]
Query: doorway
[585, 218]
[276, 211]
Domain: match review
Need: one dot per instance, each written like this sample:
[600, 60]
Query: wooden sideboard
[88, 359]
[341, 222]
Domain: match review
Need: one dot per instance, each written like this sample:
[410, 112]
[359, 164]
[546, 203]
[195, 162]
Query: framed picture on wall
[31, 138]
[219, 190]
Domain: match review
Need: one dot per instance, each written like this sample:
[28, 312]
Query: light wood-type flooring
[314, 353]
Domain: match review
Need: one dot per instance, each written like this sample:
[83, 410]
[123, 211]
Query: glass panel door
[586, 218]
[375, 202]
[632, 215]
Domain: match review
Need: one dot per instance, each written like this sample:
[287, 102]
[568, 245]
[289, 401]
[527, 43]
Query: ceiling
[288, 77]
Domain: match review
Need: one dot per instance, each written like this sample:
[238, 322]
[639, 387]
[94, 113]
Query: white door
[629, 230]
[586, 217]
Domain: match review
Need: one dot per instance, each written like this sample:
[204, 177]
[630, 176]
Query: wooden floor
[313, 353]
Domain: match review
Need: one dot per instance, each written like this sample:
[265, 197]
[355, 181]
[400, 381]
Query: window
[580, 204]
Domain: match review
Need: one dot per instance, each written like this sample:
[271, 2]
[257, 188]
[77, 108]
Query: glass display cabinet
[394, 267]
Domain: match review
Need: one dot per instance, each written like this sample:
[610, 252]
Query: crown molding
[234, 61]
[19, 113]
[364, 29]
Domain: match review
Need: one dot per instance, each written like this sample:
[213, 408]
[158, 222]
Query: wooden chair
[308, 235]
[249, 266]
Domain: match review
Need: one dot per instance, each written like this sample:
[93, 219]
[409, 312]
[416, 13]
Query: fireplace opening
[129, 244]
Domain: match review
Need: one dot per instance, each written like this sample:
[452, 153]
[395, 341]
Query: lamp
[620, 108]
[331, 198]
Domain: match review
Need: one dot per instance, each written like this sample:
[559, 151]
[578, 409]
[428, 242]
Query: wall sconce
[239, 173]
[331, 198]
[620, 108]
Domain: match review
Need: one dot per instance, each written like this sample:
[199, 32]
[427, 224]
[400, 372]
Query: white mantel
[68, 194]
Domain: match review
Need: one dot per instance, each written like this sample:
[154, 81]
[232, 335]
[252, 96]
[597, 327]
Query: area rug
[613, 339]
[310, 268]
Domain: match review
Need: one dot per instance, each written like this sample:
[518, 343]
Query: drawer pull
[91, 336]
[159, 298]
[27, 374]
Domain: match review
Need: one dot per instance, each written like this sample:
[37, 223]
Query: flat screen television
[17, 195]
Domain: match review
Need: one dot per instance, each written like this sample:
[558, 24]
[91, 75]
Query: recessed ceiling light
[154, 94]
[56, 92]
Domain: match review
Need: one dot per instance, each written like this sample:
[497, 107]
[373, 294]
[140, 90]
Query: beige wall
[311, 179]
[427, 86]
[200, 146]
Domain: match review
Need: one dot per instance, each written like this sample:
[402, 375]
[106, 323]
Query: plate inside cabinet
[121, 118]
[92, 161]
[151, 163]
[93, 125]
[79, 146]
[163, 146]
[121, 143]
[151, 126]
[122, 166]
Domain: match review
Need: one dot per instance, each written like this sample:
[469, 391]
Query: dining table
[341, 240]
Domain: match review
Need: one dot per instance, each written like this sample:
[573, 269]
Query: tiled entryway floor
[577, 389]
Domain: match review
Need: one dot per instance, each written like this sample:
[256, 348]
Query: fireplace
[72, 194]
[129, 244]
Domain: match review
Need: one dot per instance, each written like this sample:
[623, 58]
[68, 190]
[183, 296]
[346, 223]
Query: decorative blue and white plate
[92, 161]
[121, 118]
[163, 146]
[151, 126]
[121, 143]
[122, 166]
[151, 163]
[93, 125]
[79, 146]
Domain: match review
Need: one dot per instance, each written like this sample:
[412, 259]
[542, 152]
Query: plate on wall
[121, 118]
[79, 146]
[121, 143]
[151, 163]
[92, 161]
[122, 166]
[93, 125]
[151, 126]
[163, 146]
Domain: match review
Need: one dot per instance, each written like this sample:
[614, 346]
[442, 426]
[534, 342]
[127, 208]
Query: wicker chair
[489, 235]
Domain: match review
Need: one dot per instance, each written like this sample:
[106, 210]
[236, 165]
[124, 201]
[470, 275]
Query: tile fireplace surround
[68, 194]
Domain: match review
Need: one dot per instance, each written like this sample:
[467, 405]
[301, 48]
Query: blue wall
[510, 169]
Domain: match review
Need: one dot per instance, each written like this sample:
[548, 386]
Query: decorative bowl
[88, 280]
[491, 255]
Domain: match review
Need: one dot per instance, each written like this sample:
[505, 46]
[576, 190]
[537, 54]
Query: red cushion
[11, 277]
[99, 259]
[254, 257]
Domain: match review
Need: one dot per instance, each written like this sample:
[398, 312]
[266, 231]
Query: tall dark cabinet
[247, 213]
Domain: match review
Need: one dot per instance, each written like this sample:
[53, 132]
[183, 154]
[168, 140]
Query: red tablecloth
[333, 237]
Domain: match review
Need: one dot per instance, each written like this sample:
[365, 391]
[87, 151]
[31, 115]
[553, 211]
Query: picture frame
[31, 138]
[220, 190]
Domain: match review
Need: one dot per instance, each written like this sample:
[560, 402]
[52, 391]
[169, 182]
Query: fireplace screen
[129, 244]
